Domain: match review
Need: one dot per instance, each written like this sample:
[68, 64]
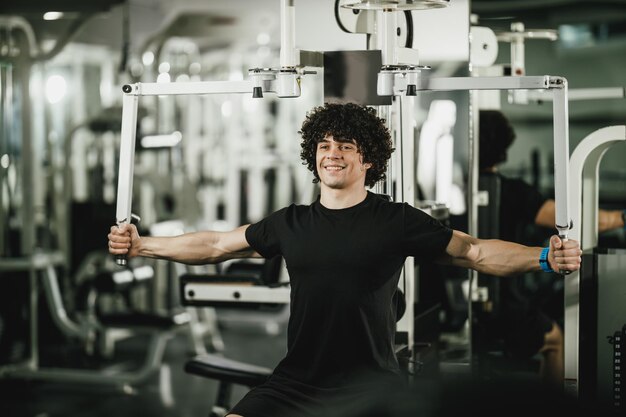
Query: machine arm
[130, 102]
[558, 87]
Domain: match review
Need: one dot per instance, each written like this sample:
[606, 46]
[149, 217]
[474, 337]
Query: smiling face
[340, 164]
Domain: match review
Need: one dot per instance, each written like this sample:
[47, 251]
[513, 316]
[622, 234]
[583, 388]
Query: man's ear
[365, 165]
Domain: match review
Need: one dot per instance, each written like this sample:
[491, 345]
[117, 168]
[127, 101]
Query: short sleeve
[424, 237]
[263, 236]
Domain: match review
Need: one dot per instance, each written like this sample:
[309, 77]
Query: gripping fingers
[568, 263]
[566, 254]
[119, 241]
[116, 248]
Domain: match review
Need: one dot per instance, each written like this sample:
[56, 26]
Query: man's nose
[334, 152]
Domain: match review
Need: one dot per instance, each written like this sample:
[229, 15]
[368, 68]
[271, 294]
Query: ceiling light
[56, 87]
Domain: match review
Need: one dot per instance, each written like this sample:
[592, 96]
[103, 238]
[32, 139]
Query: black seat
[227, 372]
[267, 273]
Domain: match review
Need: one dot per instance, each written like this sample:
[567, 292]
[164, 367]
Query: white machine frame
[236, 293]
[557, 85]
[132, 92]
[585, 163]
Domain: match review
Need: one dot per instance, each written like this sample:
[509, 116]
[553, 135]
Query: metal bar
[29, 234]
[485, 83]
[194, 292]
[193, 88]
[127, 158]
[5, 122]
[384, 112]
[387, 41]
[472, 205]
[33, 306]
[26, 263]
[584, 162]
[33, 265]
[472, 209]
[82, 376]
[561, 157]
[576, 94]
[288, 52]
[406, 141]
[57, 309]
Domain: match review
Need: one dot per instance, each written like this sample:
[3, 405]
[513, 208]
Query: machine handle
[563, 235]
[122, 260]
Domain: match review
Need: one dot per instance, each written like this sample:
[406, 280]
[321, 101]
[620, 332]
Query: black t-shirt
[342, 266]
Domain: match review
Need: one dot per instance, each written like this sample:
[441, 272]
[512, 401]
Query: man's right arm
[195, 248]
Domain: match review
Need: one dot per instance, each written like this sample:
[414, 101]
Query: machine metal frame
[585, 163]
[557, 85]
[394, 79]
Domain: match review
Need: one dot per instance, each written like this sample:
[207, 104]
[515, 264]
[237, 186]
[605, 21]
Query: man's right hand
[124, 240]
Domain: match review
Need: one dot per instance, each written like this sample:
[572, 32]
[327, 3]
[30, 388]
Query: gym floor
[170, 393]
[173, 393]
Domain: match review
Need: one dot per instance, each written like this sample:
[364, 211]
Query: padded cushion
[147, 320]
[227, 370]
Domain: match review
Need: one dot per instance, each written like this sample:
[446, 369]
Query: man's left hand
[564, 255]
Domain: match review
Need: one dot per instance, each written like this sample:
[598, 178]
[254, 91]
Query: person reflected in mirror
[525, 328]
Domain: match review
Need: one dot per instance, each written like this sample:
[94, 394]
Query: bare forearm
[191, 248]
[500, 258]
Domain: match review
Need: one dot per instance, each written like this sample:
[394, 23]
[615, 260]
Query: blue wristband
[543, 260]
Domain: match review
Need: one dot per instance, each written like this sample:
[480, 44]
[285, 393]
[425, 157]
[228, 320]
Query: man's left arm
[502, 258]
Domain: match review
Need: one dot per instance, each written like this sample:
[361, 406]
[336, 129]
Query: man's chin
[334, 185]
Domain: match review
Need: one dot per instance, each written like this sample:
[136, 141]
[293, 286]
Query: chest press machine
[395, 79]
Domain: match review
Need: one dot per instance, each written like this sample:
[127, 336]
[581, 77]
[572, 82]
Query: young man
[342, 253]
[525, 329]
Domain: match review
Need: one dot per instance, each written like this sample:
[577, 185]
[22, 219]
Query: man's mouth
[333, 168]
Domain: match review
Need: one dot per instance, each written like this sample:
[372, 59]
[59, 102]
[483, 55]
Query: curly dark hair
[347, 122]
[496, 135]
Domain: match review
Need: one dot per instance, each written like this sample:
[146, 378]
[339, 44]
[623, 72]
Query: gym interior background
[81, 336]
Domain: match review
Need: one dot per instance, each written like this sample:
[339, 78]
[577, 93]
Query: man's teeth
[334, 168]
